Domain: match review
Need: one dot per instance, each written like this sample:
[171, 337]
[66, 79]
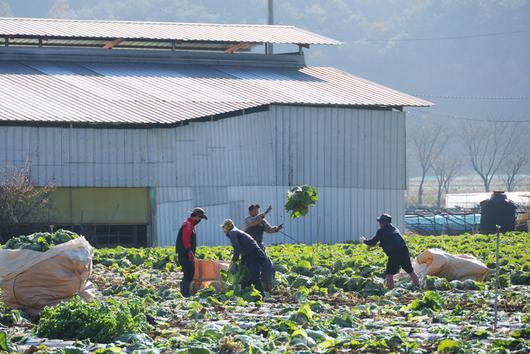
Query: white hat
[227, 222]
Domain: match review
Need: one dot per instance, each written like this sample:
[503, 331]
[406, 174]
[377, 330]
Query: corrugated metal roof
[186, 32]
[41, 91]
[126, 44]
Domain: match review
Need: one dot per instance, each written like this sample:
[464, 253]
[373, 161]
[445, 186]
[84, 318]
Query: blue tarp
[442, 224]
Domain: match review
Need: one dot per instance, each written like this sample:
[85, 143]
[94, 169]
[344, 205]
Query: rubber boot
[185, 288]
[267, 275]
[390, 281]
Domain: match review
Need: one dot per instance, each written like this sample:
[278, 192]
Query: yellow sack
[31, 280]
[440, 263]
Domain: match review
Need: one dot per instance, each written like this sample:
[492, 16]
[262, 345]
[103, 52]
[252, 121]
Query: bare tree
[20, 199]
[5, 9]
[514, 163]
[427, 143]
[489, 145]
[445, 169]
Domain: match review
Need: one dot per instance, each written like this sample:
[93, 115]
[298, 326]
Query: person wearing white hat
[185, 247]
[252, 256]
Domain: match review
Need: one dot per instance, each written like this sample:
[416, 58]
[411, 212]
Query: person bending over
[395, 247]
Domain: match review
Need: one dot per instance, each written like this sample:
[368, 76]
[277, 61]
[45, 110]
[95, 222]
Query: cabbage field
[328, 299]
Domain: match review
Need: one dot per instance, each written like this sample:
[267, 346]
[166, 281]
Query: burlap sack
[208, 273]
[31, 280]
[435, 261]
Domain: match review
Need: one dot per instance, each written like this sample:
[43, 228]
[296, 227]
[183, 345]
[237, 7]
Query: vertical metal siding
[368, 155]
[356, 159]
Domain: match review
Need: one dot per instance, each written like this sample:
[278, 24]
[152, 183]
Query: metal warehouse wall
[356, 159]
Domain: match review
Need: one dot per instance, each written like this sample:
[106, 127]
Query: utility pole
[270, 21]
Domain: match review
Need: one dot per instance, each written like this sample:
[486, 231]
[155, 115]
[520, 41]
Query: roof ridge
[41, 19]
[19, 29]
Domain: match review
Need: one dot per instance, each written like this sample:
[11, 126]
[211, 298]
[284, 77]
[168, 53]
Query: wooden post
[496, 275]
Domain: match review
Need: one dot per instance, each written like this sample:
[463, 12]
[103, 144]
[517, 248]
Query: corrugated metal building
[140, 136]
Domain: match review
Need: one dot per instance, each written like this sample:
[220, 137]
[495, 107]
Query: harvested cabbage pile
[40, 241]
[102, 321]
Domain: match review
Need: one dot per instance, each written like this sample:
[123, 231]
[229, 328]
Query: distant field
[464, 184]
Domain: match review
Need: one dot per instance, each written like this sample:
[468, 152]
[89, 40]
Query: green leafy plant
[431, 300]
[4, 345]
[449, 346]
[303, 315]
[335, 302]
[299, 199]
[100, 321]
[40, 241]
[238, 278]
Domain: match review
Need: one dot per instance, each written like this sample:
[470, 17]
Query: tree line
[490, 148]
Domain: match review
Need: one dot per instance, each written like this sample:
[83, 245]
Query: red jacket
[187, 238]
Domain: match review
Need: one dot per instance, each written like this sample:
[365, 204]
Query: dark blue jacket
[389, 238]
[243, 244]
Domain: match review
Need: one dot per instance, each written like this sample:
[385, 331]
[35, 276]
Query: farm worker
[185, 247]
[252, 256]
[255, 226]
[395, 248]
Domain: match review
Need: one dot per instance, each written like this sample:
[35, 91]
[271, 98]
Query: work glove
[191, 256]
[280, 227]
[362, 238]
[268, 209]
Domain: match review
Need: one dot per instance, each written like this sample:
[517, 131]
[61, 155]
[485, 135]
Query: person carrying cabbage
[252, 256]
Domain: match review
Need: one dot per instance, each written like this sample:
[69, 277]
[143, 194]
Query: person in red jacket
[185, 247]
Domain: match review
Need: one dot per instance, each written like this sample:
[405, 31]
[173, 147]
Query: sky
[469, 57]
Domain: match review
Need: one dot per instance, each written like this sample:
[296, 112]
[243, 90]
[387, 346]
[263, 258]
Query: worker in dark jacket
[256, 225]
[396, 249]
[498, 210]
[185, 247]
[252, 256]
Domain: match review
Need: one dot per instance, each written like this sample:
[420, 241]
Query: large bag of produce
[31, 279]
[208, 273]
[440, 263]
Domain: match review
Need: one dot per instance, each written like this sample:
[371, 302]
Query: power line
[485, 98]
[471, 119]
[441, 38]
